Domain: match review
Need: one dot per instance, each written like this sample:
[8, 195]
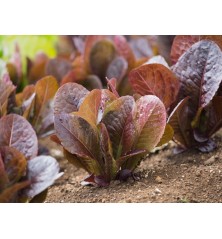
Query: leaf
[89, 43]
[94, 104]
[58, 68]
[167, 136]
[9, 195]
[107, 153]
[101, 55]
[17, 132]
[77, 161]
[141, 48]
[78, 136]
[149, 116]
[14, 163]
[41, 197]
[199, 71]
[207, 147]
[150, 120]
[116, 121]
[36, 68]
[111, 85]
[124, 49]
[158, 60]
[213, 117]
[180, 45]
[117, 68]
[42, 171]
[45, 90]
[6, 88]
[180, 121]
[69, 97]
[92, 82]
[95, 180]
[131, 154]
[155, 79]
[3, 175]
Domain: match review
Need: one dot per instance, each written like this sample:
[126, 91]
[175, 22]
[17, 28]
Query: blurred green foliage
[29, 45]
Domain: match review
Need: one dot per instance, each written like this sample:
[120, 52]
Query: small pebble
[211, 160]
[157, 191]
[158, 179]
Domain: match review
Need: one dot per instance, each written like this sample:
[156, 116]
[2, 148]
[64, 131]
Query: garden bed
[163, 177]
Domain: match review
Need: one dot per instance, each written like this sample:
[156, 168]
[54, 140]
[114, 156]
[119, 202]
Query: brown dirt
[163, 177]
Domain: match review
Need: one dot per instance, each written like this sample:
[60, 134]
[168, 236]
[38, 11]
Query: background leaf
[101, 55]
[42, 172]
[155, 79]
[15, 163]
[200, 73]
[17, 132]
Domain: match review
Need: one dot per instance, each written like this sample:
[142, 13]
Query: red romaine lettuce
[24, 177]
[104, 134]
[198, 115]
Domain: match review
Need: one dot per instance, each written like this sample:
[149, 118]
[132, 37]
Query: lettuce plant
[104, 134]
[34, 103]
[24, 177]
[198, 114]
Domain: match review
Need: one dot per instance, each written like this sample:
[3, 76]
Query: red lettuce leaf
[69, 98]
[199, 71]
[155, 79]
[17, 132]
[14, 163]
[42, 171]
[180, 121]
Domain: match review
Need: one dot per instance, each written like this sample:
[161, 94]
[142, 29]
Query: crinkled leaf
[180, 121]
[42, 171]
[58, 67]
[117, 68]
[116, 119]
[14, 163]
[101, 55]
[69, 97]
[183, 43]
[180, 45]
[9, 195]
[199, 71]
[155, 79]
[124, 49]
[167, 135]
[17, 132]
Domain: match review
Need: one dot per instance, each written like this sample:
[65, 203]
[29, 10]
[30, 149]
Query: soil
[187, 177]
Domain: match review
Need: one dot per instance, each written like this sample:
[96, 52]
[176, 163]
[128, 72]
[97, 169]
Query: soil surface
[163, 177]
